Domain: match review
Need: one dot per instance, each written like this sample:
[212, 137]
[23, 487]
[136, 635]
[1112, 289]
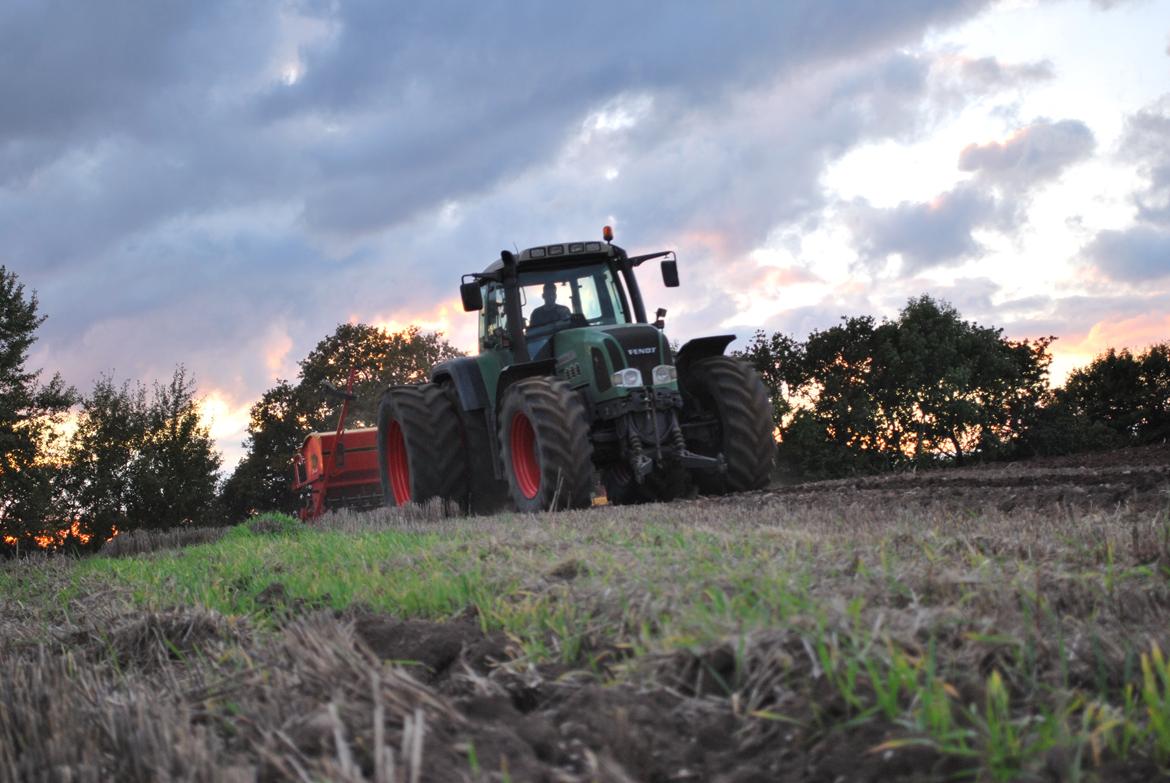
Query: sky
[219, 183]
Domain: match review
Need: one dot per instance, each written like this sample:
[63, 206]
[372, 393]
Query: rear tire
[730, 393]
[545, 447]
[486, 493]
[420, 448]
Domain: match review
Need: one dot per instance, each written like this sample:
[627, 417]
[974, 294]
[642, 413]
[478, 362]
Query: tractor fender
[463, 373]
[521, 370]
[700, 348]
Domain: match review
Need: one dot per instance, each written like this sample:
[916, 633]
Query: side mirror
[471, 296]
[670, 273]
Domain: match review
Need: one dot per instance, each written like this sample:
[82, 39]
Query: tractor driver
[550, 312]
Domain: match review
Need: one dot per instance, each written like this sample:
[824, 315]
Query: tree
[173, 477]
[963, 387]
[864, 396]
[139, 463]
[1126, 394]
[111, 427]
[282, 418]
[379, 358]
[777, 358]
[277, 426]
[29, 415]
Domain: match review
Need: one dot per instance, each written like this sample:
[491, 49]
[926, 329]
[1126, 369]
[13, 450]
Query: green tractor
[572, 382]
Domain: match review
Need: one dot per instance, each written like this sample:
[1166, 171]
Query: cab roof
[564, 252]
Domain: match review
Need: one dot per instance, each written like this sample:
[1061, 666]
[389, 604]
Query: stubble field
[994, 623]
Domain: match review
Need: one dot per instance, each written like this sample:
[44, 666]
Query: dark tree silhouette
[141, 462]
[29, 412]
[865, 396]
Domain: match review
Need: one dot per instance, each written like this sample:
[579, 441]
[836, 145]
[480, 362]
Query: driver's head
[550, 293]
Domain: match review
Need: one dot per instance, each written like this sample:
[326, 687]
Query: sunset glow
[59, 538]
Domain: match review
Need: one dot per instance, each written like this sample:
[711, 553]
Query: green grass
[989, 640]
[407, 574]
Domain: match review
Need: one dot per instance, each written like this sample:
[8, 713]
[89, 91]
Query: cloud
[1109, 5]
[1147, 144]
[1033, 154]
[989, 73]
[1140, 253]
[941, 232]
[1135, 332]
[937, 233]
[1136, 255]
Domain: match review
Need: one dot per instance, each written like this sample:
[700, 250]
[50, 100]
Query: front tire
[420, 447]
[544, 443]
[729, 396]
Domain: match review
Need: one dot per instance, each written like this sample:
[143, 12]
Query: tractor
[573, 388]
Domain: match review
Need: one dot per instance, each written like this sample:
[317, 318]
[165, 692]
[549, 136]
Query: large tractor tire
[544, 443]
[727, 396]
[486, 493]
[421, 454]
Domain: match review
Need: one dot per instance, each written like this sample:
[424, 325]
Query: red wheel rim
[525, 465]
[397, 465]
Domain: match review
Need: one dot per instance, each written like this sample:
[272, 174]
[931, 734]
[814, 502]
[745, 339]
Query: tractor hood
[596, 353]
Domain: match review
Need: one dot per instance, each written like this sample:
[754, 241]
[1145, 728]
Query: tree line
[929, 388]
[134, 458]
[926, 388]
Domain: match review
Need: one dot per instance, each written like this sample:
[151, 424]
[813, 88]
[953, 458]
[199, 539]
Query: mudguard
[701, 348]
[464, 374]
[515, 372]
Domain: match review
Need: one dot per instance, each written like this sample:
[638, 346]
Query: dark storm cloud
[135, 118]
[454, 102]
[78, 72]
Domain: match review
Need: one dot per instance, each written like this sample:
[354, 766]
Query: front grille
[643, 341]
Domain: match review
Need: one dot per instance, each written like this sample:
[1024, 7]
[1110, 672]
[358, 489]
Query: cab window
[493, 322]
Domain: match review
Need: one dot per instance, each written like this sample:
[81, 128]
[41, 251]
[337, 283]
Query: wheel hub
[398, 466]
[525, 463]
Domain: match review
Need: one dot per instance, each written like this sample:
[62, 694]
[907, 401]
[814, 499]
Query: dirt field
[993, 623]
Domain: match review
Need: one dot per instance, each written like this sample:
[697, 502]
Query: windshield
[557, 299]
[580, 296]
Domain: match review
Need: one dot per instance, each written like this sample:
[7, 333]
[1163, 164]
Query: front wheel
[727, 408]
[544, 442]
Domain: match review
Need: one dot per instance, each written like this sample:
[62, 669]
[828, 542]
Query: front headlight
[663, 374]
[628, 378]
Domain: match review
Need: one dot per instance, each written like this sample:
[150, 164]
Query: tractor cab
[549, 288]
[553, 298]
